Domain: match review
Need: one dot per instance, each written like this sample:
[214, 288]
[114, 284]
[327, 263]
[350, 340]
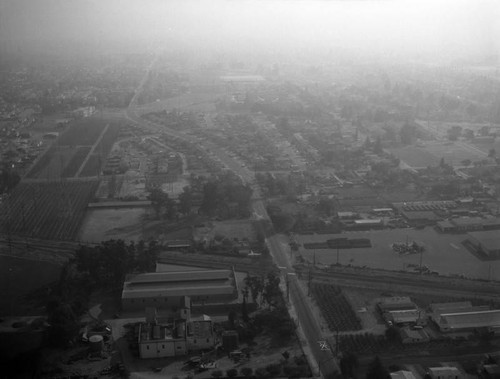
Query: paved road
[279, 249]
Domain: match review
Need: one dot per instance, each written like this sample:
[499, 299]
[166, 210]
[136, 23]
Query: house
[447, 372]
[395, 303]
[405, 317]
[412, 336]
[402, 374]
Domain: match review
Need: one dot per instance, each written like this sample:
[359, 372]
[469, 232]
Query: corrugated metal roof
[179, 276]
[466, 320]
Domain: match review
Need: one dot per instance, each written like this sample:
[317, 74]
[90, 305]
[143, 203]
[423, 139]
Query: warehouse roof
[467, 320]
[179, 283]
[489, 240]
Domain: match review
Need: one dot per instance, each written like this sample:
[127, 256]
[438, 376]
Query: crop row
[92, 166]
[108, 139]
[83, 133]
[75, 162]
[362, 343]
[101, 151]
[50, 210]
[335, 307]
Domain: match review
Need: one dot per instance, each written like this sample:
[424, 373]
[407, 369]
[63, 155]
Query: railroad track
[373, 279]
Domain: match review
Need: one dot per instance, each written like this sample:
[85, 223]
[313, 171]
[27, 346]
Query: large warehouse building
[485, 243]
[164, 290]
[463, 317]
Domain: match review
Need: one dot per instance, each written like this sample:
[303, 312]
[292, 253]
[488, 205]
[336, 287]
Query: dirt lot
[444, 253]
[432, 152]
[104, 224]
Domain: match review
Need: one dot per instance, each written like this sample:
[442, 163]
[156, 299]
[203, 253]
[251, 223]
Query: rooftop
[489, 240]
[467, 320]
[179, 283]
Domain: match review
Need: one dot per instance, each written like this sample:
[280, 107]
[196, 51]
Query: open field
[444, 253]
[104, 224]
[19, 277]
[66, 156]
[432, 152]
[49, 210]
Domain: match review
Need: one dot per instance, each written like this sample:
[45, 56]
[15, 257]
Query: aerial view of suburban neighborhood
[250, 189]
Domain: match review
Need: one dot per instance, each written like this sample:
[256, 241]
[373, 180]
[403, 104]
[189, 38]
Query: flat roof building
[485, 243]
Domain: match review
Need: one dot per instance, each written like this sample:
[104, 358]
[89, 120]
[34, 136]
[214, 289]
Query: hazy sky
[386, 26]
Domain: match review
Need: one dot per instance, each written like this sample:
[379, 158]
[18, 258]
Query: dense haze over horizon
[414, 29]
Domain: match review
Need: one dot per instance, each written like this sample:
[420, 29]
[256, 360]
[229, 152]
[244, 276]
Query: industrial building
[484, 243]
[469, 321]
[463, 317]
[167, 290]
[401, 303]
[180, 338]
[468, 224]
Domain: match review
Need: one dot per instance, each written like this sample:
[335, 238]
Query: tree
[273, 369]
[246, 371]
[244, 310]
[271, 289]
[377, 146]
[231, 318]
[286, 355]
[348, 363]
[185, 200]
[256, 286]
[392, 334]
[8, 178]
[160, 200]
[210, 198]
[407, 133]
[492, 153]
[63, 322]
[377, 371]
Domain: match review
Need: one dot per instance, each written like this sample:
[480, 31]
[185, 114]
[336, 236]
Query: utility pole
[337, 255]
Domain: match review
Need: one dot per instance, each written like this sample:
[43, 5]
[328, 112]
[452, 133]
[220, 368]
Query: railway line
[386, 281]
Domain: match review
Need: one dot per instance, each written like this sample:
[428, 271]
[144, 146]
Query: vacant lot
[444, 253]
[105, 224]
[432, 152]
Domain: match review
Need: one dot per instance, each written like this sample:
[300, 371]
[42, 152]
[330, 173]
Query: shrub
[273, 369]
[231, 373]
[261, 373]
[246, 371]
[216, 373]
